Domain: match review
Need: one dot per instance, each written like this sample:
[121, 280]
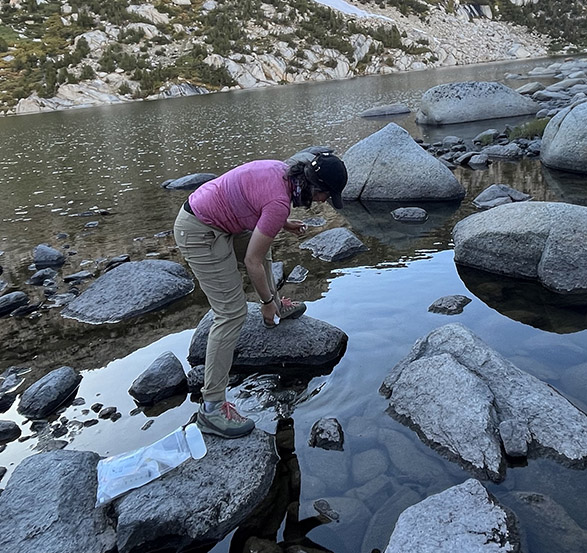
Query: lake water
[54, 167]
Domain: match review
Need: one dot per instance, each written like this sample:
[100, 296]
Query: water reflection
[527, 302]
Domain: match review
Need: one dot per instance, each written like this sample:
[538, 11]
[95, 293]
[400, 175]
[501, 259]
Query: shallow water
[59, 165]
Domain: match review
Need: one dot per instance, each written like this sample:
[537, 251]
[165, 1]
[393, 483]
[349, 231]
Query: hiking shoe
[291, 309]
[224, 421]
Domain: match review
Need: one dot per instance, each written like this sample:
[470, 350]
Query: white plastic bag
[121, 473]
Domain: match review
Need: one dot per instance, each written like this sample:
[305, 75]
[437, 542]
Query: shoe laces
[287, 305]
[230, 412]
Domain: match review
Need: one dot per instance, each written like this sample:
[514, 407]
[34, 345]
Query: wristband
[269, 300]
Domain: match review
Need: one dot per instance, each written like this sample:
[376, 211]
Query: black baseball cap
[328, 173]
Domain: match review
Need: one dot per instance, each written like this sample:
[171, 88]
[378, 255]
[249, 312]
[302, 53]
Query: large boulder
[129, 290]
[48, 506]
[545, 241]
[48, 393]
[472, 101]
[468, 401]
[199, 501]
[390, 165]
[564, 142]
[302, 343]
[463, 518]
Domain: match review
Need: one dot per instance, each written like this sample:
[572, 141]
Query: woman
[233, 218]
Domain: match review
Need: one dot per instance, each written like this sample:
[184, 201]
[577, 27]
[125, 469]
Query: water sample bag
[121, 473]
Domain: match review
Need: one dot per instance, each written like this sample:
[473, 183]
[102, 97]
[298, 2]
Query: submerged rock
[129, 290]
[545, 241]
[455, 390]
[463, 518]
[391, 165]
[410, 214]
[189, 182]
[472, 101]
[386, 110]
[300, 344]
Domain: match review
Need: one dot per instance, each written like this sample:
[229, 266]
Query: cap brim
[336, 200]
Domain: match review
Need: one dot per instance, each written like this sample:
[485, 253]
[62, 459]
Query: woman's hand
[269, 312]
[295, 227]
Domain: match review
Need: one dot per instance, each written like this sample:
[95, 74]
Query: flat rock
[564, 142]
[11, 302]
[301, 343]
[129, 290]
[199, 501]
[455, 391]
[503, 151]
[388, 109]
[472, 101]
[391, 165]
[463, 518]
[189, 182]
[545, 241]
[45, 256]
[48, 393]
[499, 194]
[334, 245]
[48, 506]
[410, 214]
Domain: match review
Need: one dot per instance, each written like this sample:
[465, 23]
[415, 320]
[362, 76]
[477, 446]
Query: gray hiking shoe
[291, 309]
[224, 421]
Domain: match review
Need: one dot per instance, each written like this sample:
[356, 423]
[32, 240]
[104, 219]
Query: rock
[327, 433]
[334, 245]
[455, 390]
[195, 378]
[189, 182]
[116, 261]
[450, 305]
[498, 194]
[503, 151]
[564, 142]
[10, 302]
[462, 518]
[298, 275]
[391, 165]
[381, 111]
[48, 393]
[65, 520]
[278, 271]
[410, 214]
[300, 344]
[546, 241]
[515, 437]
[224, 496]
[41, 276]
[478, 161]
[530, 88]
[163, 378]
[129, 290]
[486, 137]
[183, 89]
[9, 431]
[45, 256]
[471, 101]
[78, 277]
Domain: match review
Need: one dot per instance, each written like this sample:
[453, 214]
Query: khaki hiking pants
[214, 257]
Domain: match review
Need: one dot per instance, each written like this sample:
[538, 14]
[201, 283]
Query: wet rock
[78, 277]
[499, 194]
[195, 378]
[278, 273]
[293, 344]
[515, 437]
[65, 521]
[410, 214]
[456, 391]
[11, 302]
[505, 151]
[334, 245]
[564, 142]
[163, 378]
[390, 165]
[189, 182]
[368, 465]
[9, 431]
[224, 496]
[545, 241]
[48, 393]
[479, 161]
[450, 305]
[92, 224]
[116, 261]
[96, 407]
[45, 256]
[389, 109]
[129, 290]
[41, 276]
[327, 433]
[107, 413]
[297, 275]
[2, 472]
[486, 137]
[462, 518]
[471, 101]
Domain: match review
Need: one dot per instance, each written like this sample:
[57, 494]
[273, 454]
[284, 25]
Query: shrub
[530, 130]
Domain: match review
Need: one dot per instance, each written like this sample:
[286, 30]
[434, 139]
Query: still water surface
[54, 167]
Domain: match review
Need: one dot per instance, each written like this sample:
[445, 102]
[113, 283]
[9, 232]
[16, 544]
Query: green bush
[87, 73]
[530, 130]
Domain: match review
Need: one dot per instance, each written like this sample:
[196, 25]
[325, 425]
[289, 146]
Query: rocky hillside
[56, 54]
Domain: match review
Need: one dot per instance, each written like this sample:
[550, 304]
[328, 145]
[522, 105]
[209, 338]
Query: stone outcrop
[293, 346]
[456, 391]
[390, 165]
[463, 518]
[545, 241]
[471, 101]
[564, 143]
[129, 290]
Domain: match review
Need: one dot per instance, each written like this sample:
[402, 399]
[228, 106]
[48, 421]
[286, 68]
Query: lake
[56, 167]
